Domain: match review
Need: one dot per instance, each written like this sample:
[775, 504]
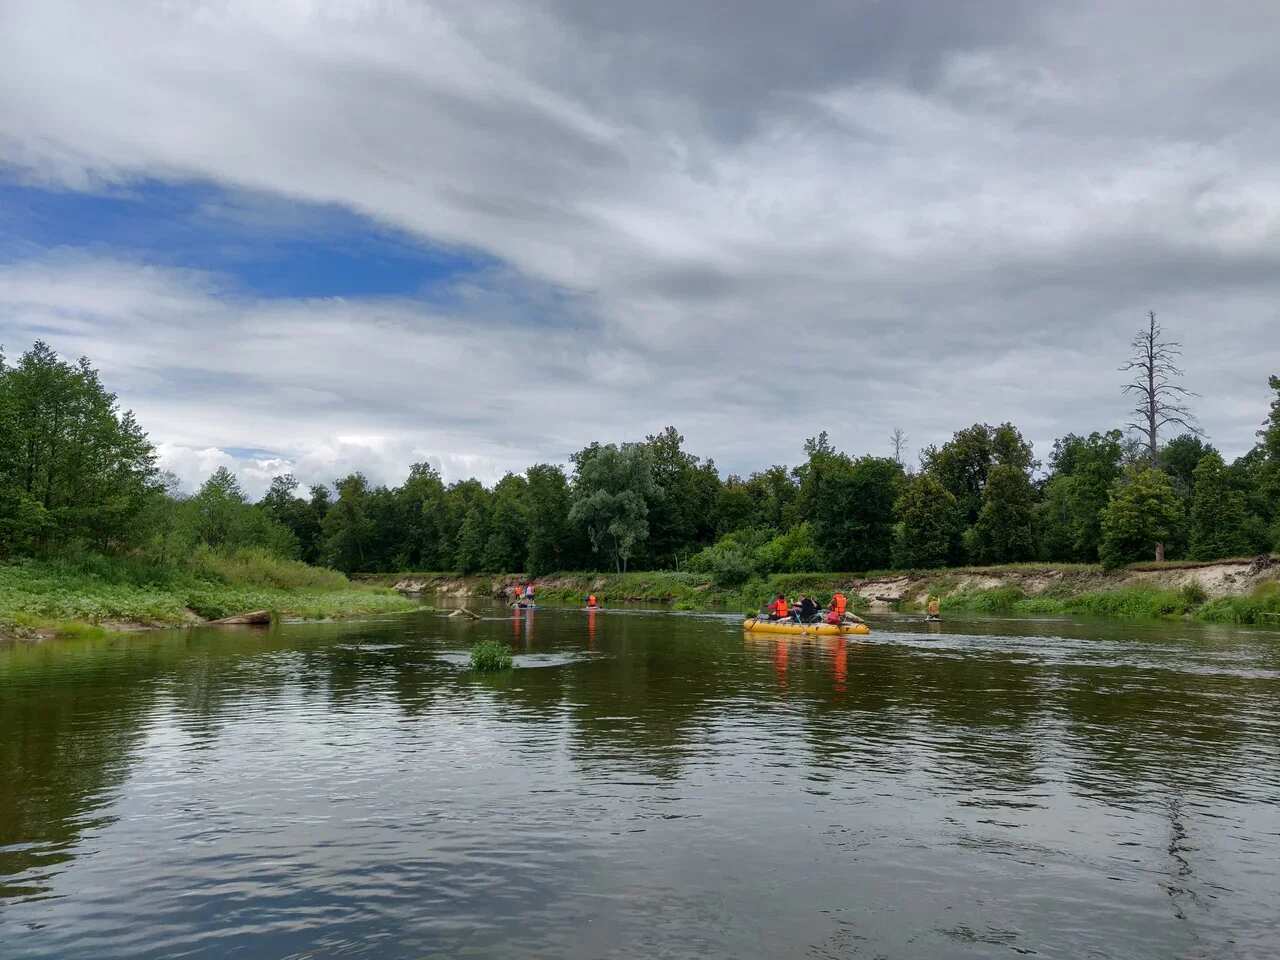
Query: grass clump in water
[489, 656]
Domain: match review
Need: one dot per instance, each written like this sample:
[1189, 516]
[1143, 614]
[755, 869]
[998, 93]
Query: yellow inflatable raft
[755, 625]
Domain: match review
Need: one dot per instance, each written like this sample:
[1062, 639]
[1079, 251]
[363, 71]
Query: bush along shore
[1245, 591]
[92, 594]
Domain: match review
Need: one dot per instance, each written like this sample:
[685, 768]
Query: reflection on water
[660, 785]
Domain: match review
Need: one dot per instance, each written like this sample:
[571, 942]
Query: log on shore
[255, 618]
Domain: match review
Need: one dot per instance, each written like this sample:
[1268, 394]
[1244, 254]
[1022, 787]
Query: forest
[79, 476]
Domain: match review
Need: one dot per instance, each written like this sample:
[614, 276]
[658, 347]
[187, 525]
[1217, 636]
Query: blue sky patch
[270, 246]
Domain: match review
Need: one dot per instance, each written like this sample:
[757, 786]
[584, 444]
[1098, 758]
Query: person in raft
[808, 609]
[779, 609]
[592, 602]
[836, 609]
[528, 593]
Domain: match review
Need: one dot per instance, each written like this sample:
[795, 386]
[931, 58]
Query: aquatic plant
[489, 656]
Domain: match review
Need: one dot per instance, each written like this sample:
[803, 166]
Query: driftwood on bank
[253, 618]
[464, 612]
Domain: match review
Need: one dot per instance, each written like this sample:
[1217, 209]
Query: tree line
[79, 474]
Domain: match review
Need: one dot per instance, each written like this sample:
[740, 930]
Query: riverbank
[59, 598]
[1229, 591]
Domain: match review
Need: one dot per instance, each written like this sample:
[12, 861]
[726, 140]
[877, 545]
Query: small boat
[756, 625]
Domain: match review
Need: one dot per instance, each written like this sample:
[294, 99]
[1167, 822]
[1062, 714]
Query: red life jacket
[591, 600]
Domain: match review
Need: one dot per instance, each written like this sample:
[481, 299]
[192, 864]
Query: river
[643, 784]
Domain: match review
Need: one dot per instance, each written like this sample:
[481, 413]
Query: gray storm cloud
[763, 220]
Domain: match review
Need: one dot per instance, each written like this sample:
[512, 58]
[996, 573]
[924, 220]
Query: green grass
[1265, 599]
[1077, 589]
[1134, 603]
[94, 590]
[489, 656]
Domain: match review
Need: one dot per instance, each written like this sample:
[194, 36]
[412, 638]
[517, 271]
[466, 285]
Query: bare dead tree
[1160, 397]
[899, 442]
[1155, 385]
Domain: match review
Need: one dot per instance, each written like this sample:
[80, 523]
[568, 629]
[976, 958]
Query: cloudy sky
[321, 235]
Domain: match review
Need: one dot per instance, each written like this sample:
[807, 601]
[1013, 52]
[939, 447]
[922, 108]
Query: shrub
[1265, 599]
[258, 567]
[489, 656]
[1194, 593]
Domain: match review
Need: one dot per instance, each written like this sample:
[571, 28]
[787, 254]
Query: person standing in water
[933, 608]
[528, 592]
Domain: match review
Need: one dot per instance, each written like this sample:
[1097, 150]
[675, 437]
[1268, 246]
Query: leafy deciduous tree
[1143, 511]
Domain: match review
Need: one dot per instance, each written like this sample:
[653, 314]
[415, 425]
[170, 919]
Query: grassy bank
[1232, 591]
[1258, 606]
[683, 591]
[74, 596]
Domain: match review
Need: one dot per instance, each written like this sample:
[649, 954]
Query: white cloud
[753, 227]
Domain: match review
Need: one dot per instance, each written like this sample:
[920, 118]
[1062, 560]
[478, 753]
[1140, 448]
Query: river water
[644, 784]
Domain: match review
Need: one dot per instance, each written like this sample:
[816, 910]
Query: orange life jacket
[591, 600]
[840, 602]
[780, 608]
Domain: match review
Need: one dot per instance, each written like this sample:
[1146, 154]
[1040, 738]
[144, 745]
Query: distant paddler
[933, 608]
[838, 610]
[591, 602]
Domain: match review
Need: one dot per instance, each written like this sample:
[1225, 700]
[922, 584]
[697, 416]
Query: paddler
[836, 609]
[528, 593]
[933, 608]
[592, 603]
[780, 609]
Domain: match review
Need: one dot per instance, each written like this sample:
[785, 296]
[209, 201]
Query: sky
[324, 235]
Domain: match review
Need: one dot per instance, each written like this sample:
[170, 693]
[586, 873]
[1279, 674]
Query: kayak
[755, 625]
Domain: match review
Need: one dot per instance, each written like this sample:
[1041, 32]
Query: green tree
[1179, 459]
[282, 504]
[611, 490]
[348, 530]
[851, 503]
[734, 507]
[1144, 511]
[318, 504]
[1003, 532]
[460, 498]
[682, 518]
[1217, 512]
[929, 524]
[962, 464]
[1069, 517]
[1270, 432]
[73, 467]
[471, 541]
[795, 551]
[422, 542]
[217, 511]
[551, 537]
[508, 541]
